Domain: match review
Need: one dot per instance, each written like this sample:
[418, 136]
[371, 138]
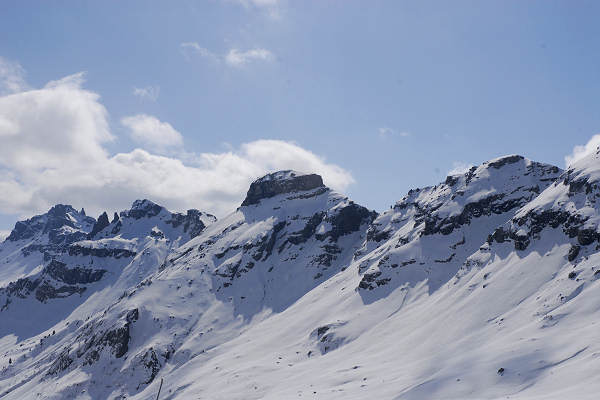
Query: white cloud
[53, 126]
[238, 58]
[12, 77]
[385, 133]
[147, 93]
[3, 235]
[53, 151]
[459, 168]
[580, 152]
[234, 57]
[151, 133]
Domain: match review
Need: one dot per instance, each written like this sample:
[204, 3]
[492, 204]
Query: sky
[187, 102]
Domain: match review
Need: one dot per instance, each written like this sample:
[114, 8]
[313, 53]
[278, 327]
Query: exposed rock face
[192, 221]
[348, 220]
[58, 217]
[502, 161]
[93, 338]
[279, 183]
[47, 291]
[570, 204]
[62, 223]
[76, 275]
[99, 225]
[43, 289]
[143, 209]
[79, 250]
[57, 280]
[25, 229]
[326, 338]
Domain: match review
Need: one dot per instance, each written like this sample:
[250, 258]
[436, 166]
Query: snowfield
[486, 286]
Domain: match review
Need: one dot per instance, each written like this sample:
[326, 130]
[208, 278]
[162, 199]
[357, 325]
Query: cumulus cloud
[234, 57]
[147, 93]
[4, 234]
[53, 126]
[12, 77]
[581, 151]
[151, 133]
[459, 168]
[54, 151]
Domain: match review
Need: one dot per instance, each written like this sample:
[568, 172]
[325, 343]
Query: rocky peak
[143, 209]
[53, 223]
[100, 224]
[504, 160]
[281, 182]
[60, 210]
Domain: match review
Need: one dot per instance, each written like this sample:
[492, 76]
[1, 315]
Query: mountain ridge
[465, 289]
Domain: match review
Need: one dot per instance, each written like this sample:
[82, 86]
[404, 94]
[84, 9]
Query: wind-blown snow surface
[482, 287]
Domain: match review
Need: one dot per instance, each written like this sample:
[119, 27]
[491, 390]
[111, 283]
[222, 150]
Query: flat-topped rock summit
[281, 182]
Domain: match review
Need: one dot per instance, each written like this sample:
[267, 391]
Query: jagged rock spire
[99, 225]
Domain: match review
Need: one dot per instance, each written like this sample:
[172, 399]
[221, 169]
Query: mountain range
[484, 286]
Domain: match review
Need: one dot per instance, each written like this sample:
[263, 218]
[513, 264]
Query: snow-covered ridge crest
[494, 187]
[570, 206]
[146, 217]
[427, 236]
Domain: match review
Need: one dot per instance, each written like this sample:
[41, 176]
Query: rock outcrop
[279, 183]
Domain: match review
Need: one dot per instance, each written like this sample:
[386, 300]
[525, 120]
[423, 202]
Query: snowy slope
[482, 287]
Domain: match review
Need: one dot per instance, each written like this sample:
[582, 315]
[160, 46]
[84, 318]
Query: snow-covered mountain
[430, 232]
[482, 287]
[63, 259]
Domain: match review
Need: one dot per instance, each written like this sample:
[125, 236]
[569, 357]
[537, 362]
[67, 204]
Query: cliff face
[279, 183]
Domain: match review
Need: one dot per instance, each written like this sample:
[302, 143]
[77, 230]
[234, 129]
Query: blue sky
[394, 93]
